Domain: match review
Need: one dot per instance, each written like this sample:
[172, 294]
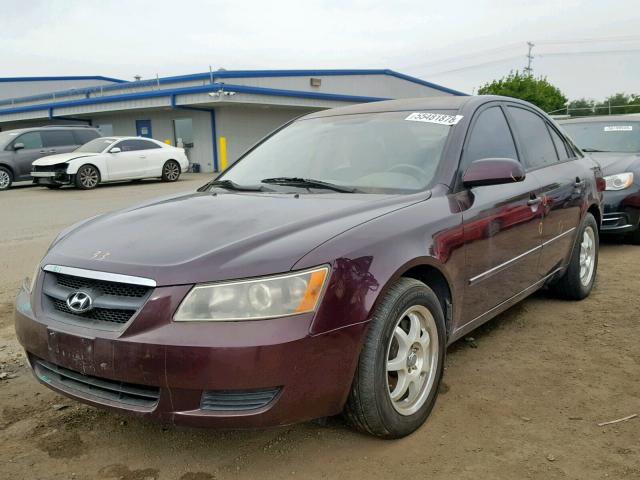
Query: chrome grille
[101, 314]
[114, 303]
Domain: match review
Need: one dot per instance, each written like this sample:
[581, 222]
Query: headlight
[34, 278]
[619, 182]
[261, 298]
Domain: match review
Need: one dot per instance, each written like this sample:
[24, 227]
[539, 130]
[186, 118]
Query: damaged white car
[111, 159]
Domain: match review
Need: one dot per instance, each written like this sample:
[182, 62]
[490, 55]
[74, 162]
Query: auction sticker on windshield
[439, 118]
[619, 128]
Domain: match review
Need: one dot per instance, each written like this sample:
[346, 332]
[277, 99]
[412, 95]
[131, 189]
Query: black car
[614, 141]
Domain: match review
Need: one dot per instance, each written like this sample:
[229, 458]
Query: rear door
[563, 183]
[130, 162]
[59, 141]
[24, 157]
[501, 222]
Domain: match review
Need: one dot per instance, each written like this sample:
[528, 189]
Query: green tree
[525, 87]
[619, 103]
[581, 107]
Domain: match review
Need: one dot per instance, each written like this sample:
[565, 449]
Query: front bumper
[192, 366]
[51, 178]
[621, 210]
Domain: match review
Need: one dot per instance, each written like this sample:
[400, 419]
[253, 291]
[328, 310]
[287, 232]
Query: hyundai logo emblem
[79, 302]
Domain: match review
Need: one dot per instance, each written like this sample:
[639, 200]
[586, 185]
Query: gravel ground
[522, 400]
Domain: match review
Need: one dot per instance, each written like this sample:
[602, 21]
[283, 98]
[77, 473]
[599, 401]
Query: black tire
[171, 171]
[53, 187]
[87, 177]
[369, 407]
[571, 285]
[6, 178]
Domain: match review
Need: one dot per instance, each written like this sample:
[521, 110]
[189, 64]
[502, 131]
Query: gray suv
[19, 148]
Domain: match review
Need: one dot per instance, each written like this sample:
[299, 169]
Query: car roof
[634, 117]
[50, 127]
[445, 102]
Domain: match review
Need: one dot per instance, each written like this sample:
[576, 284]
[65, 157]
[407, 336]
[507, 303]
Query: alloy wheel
[5, 179]
[171, 171]
[412, 356]
[587, 256]
[88, 177]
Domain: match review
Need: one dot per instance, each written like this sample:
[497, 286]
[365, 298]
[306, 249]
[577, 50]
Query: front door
[143, 128]
[563, 182]
[501, 223]
[32, 149]
[130, 162]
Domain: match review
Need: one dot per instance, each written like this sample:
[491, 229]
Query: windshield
[96, 146]
[373, 153]
[606, 136]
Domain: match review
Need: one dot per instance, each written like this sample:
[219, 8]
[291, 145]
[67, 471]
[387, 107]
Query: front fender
[74, 165]
[370, 256]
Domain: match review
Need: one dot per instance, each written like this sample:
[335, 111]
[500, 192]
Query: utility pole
[528, 69]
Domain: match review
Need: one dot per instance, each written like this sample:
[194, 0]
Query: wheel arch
[8, 167]
[73, 168]
[434, 275]
[594, 210]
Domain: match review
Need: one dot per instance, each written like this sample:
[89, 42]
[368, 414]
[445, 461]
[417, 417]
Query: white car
[111, 159]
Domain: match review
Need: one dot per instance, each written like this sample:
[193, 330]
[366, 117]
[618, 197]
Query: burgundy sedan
[326, 271]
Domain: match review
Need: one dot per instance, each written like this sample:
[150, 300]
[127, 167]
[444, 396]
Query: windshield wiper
[588, 150]
[231, 185]
[309, 183]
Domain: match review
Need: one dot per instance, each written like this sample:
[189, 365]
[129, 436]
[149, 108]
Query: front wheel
[87, 177]
[6, 178]
[170, 171]
[399, 370]
[577, 281]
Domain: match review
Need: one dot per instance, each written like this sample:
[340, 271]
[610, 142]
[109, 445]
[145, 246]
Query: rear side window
[560, 144]
[132, 145]
[535, 138]
[490, 138]
[58, 138]
[30, 140]
[84, 136]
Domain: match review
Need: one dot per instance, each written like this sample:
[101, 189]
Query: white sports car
[111, 159]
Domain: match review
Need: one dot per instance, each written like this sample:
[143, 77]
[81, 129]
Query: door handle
[43, 151]
[143, 156]
[579, 183]
[534, 201]
[52, 151]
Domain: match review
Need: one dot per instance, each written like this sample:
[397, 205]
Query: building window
[183, 131]
[105, 129]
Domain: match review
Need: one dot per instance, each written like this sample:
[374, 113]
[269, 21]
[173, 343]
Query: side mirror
[18, 146]
[115, 150]
[493, 171]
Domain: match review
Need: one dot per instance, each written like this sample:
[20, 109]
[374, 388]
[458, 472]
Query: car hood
[617, 162]
[61, 158]
[204, 237]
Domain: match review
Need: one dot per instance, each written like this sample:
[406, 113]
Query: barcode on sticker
[619, 128]
[439, 118]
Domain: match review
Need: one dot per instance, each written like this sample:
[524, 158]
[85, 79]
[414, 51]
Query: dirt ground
[522, 400]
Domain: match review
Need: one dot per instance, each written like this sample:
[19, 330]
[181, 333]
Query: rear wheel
[399, 370]
[170, 171]
[6, 178]
[577, 281]
[87, 177]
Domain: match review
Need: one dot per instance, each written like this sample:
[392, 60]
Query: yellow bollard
[223, 154]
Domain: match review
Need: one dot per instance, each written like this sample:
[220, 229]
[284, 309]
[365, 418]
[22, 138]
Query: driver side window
[490, 138]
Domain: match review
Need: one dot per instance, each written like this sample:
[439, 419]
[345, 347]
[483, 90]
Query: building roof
[51, 79]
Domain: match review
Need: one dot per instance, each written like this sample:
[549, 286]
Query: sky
[587, 48]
